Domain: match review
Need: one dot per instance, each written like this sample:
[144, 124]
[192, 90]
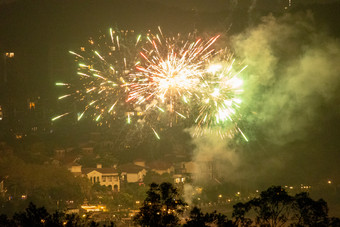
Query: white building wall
[105, 179]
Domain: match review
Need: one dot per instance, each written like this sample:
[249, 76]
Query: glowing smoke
[293, 73]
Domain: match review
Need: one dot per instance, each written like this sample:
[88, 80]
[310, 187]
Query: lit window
[82, 48]
[10, 54]
[32, 105]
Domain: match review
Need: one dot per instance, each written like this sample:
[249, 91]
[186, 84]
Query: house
[200, 169]
[76, 170]
[189, 167]
[132, 173]
[161, 167]
[184, 171]
[104, 176]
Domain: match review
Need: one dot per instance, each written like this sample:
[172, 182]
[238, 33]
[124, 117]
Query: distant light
[329, 182]
[10, 54]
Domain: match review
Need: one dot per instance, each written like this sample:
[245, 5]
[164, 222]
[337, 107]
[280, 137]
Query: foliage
[310, 212]
[275, 207]
[239, 213]
[38, 216]
[198, 219]
[137, 191]
[46, 185]
[153, 177]
[272, 207]
[161, 206]
[334, 222]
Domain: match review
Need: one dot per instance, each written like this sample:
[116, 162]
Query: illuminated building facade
[104, 176]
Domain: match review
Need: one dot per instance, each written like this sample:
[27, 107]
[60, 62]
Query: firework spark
[103, 68]
[219, 98]
[170, 72]
[157, 80]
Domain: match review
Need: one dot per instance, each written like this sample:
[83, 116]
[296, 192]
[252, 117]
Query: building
[131, 173]
[161, 167]
[104, 176]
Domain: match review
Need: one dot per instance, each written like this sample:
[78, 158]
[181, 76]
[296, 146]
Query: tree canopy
[161, 206]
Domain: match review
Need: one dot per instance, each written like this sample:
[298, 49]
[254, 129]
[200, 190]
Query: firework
[169, 73]
[219, 98]
[155, 80]
[103, 68]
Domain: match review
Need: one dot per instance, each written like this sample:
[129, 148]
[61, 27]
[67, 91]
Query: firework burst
[219, 98]
[169, 73]
[103, 68]
[157, 80]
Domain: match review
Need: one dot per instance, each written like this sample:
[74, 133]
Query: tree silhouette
[239, 213]
[273, 207]
[32, 216]
[161, 206]
[198, 219]
[310, 212]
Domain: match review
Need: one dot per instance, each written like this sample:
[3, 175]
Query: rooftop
[130, 168]
[100, 170]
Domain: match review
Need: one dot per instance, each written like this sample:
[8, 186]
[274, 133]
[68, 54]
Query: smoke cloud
[293, 69]
[293, 73]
